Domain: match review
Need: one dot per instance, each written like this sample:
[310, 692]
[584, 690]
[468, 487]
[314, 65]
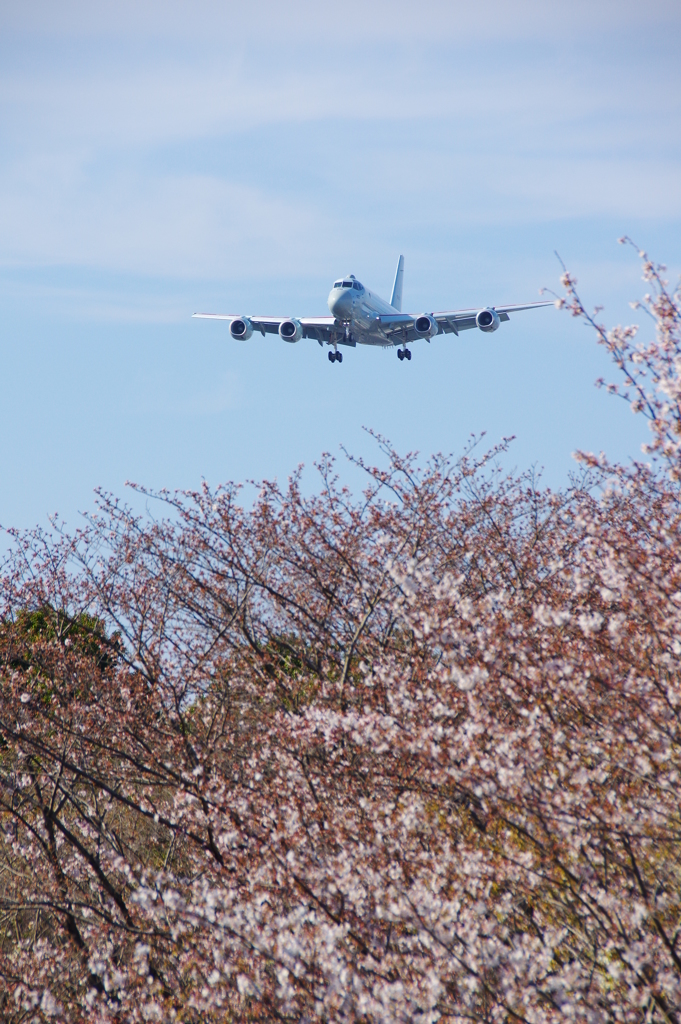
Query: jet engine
[290, 330]
[426, 326]
[241, 329]
[487, 320]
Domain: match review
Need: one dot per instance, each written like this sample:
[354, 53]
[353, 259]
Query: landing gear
[335, 357]
[403, 353]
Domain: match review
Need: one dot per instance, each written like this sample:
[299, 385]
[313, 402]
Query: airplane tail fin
[396, 297]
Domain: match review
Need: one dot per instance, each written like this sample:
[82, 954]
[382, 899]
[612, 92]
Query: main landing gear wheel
[403, 353]
[335, 357]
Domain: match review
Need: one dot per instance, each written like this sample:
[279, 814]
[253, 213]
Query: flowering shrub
[408, 757]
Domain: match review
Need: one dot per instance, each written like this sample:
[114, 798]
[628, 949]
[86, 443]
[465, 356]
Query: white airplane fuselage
[358, 310]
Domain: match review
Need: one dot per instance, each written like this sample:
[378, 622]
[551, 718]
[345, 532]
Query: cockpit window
[338, 284]
[347, 284]
[357, 286]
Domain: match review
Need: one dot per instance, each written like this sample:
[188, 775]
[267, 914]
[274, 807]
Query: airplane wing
[395, 328]
[401, 326]
[317, 327]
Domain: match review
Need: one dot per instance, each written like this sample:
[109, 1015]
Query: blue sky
[160, 158]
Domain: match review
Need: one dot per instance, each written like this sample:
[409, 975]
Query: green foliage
[83, 633]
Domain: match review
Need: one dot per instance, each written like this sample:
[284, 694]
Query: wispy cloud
[141, 140]
[215, 22]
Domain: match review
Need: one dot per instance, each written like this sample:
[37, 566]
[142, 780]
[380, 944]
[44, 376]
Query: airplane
[360, 317]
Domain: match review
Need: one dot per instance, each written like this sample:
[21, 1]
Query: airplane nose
[340, 303]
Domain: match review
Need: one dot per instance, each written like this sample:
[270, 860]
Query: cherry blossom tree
[403, 757]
